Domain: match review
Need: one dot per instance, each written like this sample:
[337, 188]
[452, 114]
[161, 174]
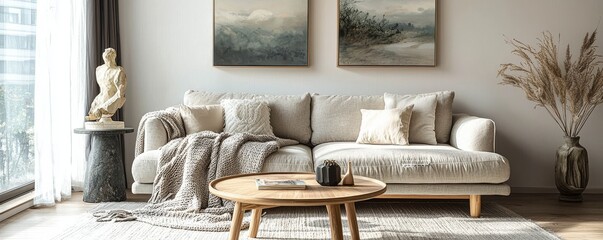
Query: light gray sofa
[463, 165]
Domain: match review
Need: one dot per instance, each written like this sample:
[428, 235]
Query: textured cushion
[202, 118]
[416, 163]
[337, 118]
[422, 122]
[245, 115]
[289, 114]
[389, 126]
[443, 114]
[295, 158]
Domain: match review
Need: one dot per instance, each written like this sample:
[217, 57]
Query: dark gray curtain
[103, 33]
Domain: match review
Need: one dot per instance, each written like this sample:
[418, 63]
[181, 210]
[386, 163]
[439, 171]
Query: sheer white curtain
[60, 98]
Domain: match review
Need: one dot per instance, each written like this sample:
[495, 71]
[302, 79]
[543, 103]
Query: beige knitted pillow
[245, 115]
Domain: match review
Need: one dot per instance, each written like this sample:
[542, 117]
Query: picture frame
[387, 33]
[260, 33]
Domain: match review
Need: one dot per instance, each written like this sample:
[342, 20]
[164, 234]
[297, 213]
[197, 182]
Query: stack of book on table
[269, 184]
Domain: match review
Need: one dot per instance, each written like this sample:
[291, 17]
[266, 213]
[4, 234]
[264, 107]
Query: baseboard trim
[16, 205]
[550, 190]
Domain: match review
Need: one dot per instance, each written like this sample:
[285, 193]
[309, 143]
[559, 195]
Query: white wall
[167, 49]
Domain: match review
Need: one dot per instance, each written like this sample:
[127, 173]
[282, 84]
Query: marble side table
[105, 175]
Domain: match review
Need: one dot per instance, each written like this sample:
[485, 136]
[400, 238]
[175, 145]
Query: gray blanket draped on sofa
[181, 197]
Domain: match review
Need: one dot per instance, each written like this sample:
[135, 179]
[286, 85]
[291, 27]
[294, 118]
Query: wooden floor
[568, 220]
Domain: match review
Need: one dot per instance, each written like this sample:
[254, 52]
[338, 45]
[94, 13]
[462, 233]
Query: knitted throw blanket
[181, 197]
[171, 121]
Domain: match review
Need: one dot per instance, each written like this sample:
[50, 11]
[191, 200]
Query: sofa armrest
[155, 134]
[472, 133]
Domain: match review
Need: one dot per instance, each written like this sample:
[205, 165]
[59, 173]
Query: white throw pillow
[245, 115]
[389, 126]
[422, 122]
[202, 118]
[443, 121]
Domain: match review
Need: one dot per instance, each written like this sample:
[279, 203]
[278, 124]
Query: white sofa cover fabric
[295, 158]
[466, 166]
[338, 118]
[471, 133]
[422, 121]
[156, 135]
[443, 114]
[449, 189]
[289, 114]
[144, 168]
[416, 163]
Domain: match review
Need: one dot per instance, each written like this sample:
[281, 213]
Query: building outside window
[17, 74]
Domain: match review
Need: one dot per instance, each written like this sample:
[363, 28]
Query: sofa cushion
[388, 126]
[246, 115]
[202, 118]
[422, 122]
[416, 163]
[289, 114]
[294, 158]
[338, 118]
[443, 114]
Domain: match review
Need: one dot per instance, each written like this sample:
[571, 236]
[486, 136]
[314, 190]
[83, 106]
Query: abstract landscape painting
[387, 33]
[260, 32]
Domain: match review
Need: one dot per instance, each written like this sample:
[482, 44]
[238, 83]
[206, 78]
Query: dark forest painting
[261, 33]
[387, 32]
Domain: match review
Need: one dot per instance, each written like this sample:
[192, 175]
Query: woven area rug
[376, 220]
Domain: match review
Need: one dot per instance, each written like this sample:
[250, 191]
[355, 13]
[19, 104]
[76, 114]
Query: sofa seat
[295, 158]
[415, 163]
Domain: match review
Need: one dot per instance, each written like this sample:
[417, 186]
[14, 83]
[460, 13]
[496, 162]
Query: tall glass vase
[571, 170]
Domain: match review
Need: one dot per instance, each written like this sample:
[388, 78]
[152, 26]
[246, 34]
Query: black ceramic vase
[571, 170]
[328, 173]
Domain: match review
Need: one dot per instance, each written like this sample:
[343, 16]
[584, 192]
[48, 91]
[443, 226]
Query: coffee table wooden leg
[350, 210]
[335, 221]
[237, 220]
[256, 217]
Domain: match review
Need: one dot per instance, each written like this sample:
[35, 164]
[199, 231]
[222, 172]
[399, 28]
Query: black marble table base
[105, 180]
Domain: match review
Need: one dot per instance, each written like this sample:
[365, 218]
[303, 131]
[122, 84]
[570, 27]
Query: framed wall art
[387, 33]
[261, 33]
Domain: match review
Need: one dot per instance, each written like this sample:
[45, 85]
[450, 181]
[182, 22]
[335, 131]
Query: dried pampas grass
[569, 91]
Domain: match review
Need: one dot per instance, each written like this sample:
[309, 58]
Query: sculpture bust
[112, 82]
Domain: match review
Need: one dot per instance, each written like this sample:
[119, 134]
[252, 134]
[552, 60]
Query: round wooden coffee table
[242, 190]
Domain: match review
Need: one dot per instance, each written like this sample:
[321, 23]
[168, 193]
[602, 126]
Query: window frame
[16, 191]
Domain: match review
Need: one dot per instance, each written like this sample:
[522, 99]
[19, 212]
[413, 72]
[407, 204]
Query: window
[17, 74]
